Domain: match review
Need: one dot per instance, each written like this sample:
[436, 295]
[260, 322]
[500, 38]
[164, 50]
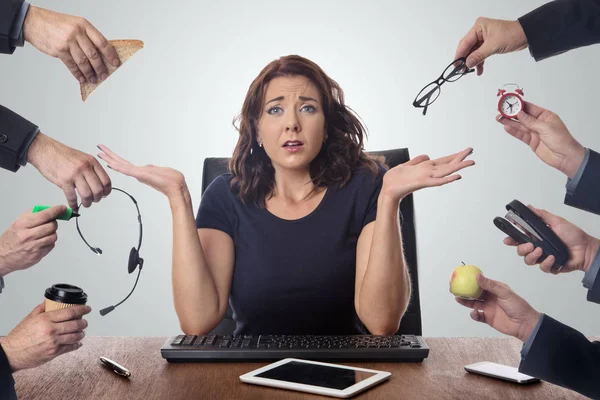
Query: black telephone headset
[135, 260]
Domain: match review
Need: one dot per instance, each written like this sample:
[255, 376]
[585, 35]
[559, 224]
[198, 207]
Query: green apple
[463, 282]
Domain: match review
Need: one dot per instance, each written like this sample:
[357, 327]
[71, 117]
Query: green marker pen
[66, 216]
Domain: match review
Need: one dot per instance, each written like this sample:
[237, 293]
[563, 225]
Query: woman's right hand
[166, 180]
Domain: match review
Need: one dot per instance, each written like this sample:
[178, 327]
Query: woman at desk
[302, 237]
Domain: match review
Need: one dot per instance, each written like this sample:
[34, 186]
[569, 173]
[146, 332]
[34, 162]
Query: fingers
[531, 122]
[507, 122]
[94, 184]
[515, 129]
[47, 241]
[445, 180]
[104, 179]
[73, 326]
[509, 241]
[67, 59]
[461, 155]
[67, 314]
[39, 309]
[478, 56]
[546, 265]
[474, 304]
[44, 216]
[418, 160]
[112, 156]
[81, 59]
[71, 196]
[549, 218]
[84, 191]
[448, 169]
[68, 348]
[524, 249]
[531, 258]
[466, 44]
[93, 55]
[103, 45]
[44, 230]
[44, 251]
[71, 338]
[497, 288]
[480, 68]
[478, 316]
[533, 110]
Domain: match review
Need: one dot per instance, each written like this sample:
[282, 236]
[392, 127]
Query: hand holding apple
[502, 309]
[463, 282]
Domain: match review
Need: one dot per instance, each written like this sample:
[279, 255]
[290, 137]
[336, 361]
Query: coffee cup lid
[65, 293]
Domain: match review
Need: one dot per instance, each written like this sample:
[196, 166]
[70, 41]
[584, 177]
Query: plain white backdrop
[172, 104]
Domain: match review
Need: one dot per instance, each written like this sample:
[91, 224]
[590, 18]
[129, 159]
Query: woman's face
[291, 127]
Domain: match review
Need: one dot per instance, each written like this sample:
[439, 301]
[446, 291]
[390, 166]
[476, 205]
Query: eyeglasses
[453, 72]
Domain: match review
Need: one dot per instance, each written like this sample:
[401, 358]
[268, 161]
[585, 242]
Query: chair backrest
[411, 322]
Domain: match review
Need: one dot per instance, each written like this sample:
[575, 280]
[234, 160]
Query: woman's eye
[309, 108]
[274, 110]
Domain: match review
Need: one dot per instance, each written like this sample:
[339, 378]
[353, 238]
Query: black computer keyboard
[210, 348]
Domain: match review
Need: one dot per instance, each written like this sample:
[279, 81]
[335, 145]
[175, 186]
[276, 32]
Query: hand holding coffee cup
[45, 334]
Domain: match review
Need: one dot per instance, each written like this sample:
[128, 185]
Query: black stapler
[526, 227]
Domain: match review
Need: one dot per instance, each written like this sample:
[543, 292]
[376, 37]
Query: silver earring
[259, 143]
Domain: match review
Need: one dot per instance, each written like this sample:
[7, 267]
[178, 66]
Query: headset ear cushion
[134, 260]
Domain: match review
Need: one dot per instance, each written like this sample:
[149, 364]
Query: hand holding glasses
[453, 72]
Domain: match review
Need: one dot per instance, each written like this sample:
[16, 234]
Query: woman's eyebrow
[304, 98]
[275, 99]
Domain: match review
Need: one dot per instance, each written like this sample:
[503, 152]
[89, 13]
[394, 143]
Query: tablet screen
[316, 375]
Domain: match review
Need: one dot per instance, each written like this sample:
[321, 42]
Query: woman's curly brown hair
[341, 154]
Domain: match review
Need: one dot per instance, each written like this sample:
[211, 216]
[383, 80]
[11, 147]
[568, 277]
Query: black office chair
[411, 322]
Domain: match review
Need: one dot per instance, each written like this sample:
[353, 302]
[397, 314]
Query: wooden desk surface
[80, 375]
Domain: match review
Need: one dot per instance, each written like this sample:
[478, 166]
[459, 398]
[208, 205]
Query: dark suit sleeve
[7, 383]
[586, 195]
[560, 26]
[594, 291]
[15, 135]
[561, 355]
[8, 11]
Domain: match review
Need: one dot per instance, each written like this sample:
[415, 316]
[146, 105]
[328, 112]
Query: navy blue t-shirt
[294, 276]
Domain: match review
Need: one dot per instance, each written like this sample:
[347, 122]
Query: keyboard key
[189, 340]
[178, 340]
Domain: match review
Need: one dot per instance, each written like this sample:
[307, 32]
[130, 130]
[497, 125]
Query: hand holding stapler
[527, 227]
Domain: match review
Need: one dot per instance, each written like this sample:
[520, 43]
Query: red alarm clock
[510, 103]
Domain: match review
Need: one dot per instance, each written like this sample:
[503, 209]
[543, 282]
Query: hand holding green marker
[66, 216]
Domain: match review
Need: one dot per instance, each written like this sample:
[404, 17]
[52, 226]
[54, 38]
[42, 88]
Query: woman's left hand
[421, 172]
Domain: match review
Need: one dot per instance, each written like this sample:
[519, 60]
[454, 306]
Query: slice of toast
[125, 49]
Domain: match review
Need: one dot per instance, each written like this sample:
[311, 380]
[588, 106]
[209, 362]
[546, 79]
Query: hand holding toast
[74, 40]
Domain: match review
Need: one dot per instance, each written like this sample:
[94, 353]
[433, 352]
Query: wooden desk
[80, 375]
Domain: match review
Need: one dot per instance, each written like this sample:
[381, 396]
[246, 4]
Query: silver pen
[117, 368]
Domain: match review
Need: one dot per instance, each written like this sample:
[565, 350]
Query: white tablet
[316, 377]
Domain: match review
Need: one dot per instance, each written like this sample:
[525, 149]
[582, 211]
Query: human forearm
[385, 290]
[194, 290]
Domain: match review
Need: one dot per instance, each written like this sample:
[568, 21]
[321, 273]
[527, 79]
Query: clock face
[510, 105]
